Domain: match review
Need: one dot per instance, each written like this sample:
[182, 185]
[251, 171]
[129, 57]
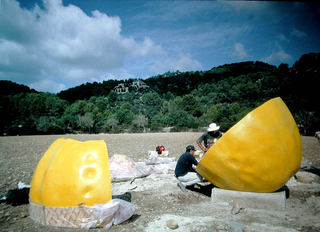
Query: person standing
[209, 138]
[185, 169]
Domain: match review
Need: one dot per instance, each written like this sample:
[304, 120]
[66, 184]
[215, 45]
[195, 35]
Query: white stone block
[269, 201]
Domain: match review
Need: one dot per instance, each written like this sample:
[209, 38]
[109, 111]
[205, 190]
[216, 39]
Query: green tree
[112, 122]
[27, 108]
[125, 115]
[152, 99]
[85, 122]
[180, 119]
[76, 108]
[237, 112]
[170, 106]
[129, 96]
[210, 116]
[156, 122]
[151, 104]
[101, 103]
[127, 106]
[54, 106]
[91, 108]
[141, 121]
[165, 108]
[50, 125]
[191, 105]
[169, 96]
[112, 97]
[306, 120]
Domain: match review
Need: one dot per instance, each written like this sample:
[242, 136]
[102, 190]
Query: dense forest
[181, 100]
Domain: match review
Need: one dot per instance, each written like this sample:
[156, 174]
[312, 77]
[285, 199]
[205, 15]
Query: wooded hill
[183, 100]
[178, 83]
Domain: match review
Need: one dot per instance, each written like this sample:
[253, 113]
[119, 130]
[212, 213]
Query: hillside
[12, 88]
[178, 83]
[181, 100]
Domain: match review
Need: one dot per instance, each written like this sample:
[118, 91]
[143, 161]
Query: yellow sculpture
[72, 173]
[258, 154]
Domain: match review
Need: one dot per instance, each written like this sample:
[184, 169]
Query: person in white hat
[209, 138]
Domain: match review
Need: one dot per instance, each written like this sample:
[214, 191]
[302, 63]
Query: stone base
[269, 201]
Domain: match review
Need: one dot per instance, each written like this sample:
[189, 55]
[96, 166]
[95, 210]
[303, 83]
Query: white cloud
[62, 43]
[66, 45]
[277, 55]
[282, 37]
[184, 63]
[120, 74]
[239, 51]
[297, 33]
[48, 86]
[146, 49]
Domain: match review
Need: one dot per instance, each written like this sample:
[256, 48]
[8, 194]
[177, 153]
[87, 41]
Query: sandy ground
[157, 197]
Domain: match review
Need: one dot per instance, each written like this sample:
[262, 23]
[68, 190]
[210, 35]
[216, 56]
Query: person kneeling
[185, 169]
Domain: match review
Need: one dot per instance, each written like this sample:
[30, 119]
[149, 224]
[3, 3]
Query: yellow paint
[258, 154]
[71, 172]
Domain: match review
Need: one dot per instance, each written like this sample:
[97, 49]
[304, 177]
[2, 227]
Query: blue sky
[53, 45]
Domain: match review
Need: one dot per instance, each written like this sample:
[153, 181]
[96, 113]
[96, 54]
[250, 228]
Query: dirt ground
[157, 197]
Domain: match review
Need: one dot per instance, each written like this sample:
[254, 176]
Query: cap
[190, 147]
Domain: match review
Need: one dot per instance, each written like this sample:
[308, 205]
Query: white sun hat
[213, 127]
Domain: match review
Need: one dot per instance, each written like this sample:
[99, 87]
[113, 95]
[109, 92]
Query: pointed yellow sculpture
[72, 173]
[258, 154]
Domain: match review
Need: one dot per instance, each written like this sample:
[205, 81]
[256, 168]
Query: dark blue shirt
[184, 164]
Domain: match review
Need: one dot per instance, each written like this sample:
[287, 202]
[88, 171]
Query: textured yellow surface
[258, 154]
[71, 172]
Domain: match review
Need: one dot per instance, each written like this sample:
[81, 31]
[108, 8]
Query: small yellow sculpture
[72, 173]
[258, 154]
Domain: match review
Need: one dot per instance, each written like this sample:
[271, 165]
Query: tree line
[181, 100]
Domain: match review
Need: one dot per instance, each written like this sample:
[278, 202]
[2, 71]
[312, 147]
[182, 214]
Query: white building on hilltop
[122, 88]
[139, 84]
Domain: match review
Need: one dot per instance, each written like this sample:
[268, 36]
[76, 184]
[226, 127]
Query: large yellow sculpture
[72, 173]
[258, 154]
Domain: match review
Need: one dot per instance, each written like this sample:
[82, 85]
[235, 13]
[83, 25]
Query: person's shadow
[204, 189]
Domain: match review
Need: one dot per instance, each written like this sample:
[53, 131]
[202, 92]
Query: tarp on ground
[122, 168]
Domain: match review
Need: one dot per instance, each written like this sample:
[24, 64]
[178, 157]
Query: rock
[235, 226]
[304, 178]
[172, 224]
[236, 208]
[292, 182]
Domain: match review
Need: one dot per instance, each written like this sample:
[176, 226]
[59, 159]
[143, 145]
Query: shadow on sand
[204, 189]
